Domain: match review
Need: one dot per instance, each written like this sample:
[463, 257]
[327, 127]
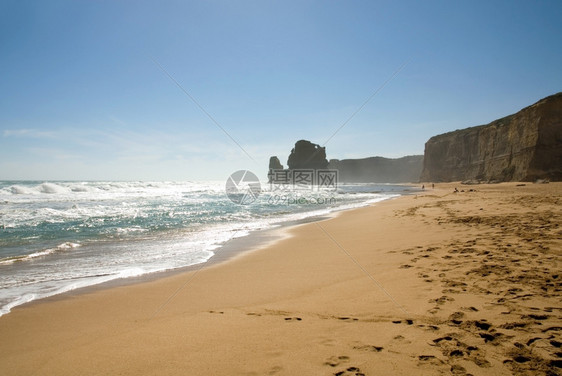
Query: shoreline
[233, 248]
[432, 283]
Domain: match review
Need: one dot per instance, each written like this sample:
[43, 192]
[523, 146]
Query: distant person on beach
[432, 186]
[423, 186]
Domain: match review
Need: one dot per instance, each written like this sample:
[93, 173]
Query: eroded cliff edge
[525, 146]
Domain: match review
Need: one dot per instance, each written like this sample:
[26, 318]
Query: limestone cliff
[521, 147]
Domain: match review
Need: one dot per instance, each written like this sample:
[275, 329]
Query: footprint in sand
[535, 317]
[335, 361]
[345, 318]
[329, 342]
[455, 319]
[523, 361]
[442, 300]
[428, 327]
[458, 370]
[552, 328]
[514, 325]
[350, 371]
[275, 370]
[401, 339]
[532, 340]
[482, 324]
[407, 321]
[454, 350]
[370, 348]
[293, 319]
[430, 359]
[492, 337]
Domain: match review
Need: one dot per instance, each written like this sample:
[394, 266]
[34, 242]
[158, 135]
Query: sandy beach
[433, 283]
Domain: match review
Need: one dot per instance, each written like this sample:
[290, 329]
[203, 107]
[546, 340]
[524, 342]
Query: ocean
[60, 236]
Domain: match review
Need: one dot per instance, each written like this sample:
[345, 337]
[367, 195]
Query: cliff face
[522, 147]
[379, 169]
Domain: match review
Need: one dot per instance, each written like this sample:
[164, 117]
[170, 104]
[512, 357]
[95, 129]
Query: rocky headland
[309, 156]
[525, 146]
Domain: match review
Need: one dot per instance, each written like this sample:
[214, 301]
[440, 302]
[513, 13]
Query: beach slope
[434, 283]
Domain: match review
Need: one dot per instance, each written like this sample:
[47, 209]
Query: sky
[195, 90]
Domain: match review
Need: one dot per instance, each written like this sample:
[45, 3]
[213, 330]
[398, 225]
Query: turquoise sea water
[59, 236]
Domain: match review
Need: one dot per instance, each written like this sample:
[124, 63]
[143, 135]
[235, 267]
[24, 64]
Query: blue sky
[82, 99]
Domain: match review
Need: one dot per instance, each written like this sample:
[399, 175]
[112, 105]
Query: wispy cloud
[111, 151]
[30, 133]
[54, 153]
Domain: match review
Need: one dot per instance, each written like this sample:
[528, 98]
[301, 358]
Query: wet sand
[434, 283]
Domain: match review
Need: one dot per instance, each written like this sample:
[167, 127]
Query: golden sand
[437, 283]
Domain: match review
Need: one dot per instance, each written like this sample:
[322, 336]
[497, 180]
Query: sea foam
[60, 236]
